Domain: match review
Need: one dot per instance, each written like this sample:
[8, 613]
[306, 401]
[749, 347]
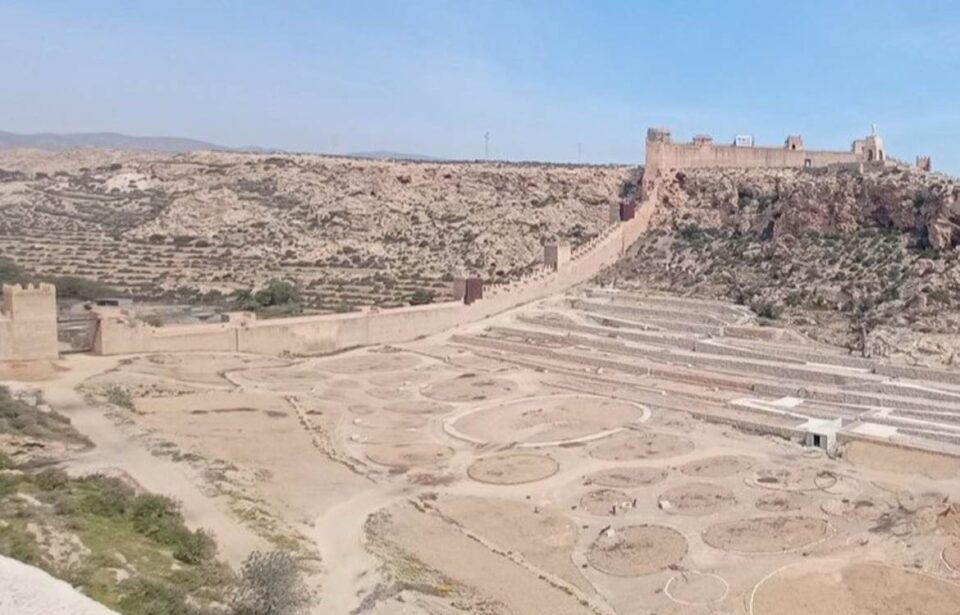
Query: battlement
[664, 156]
[28, 322]
[29, 301]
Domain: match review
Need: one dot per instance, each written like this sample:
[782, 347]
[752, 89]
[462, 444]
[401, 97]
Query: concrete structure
[556, 255]
[924, 163]
[664, 156]
[28, 323]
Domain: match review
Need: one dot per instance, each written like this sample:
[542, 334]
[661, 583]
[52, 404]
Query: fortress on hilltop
[664, 156]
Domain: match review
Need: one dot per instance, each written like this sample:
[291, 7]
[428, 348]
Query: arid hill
[350, 232]
[867, 259]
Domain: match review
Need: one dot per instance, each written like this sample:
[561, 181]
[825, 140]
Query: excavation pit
[635, 446]
[626, 477]
[766, 534]
[636, 550]
[550, 420]
[512, 468]
[696, 499]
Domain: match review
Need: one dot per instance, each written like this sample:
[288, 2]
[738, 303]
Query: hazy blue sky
[540, 76]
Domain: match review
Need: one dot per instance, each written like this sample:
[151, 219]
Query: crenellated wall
[664, 156]
[28, 323]
[302, 335]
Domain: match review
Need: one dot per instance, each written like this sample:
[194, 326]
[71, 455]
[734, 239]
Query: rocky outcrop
[777, 203]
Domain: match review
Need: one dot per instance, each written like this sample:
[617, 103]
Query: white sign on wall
[743, 141]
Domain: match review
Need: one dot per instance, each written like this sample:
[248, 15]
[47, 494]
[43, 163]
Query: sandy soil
[352, 459]
[854, 589]
[632, 447]
[900, 461]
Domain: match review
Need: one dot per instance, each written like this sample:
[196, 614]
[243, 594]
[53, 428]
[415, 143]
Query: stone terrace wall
[28, 323]
[119, 334]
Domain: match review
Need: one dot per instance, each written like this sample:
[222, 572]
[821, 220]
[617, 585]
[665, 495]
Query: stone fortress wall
[664, 156]
[28, 323]
[119, 333]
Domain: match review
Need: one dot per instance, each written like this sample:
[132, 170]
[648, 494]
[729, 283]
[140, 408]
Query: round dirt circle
[469, 387]
[766, 534]
[605, 502]
[951, 556]
[541, 421]
[636, 550]
[391, 394]
[783, 479]
[369, 362]
[717, 467]
[390, 420]
[636, 446]
[626, 477]
[781, 502]
[859, 509]
[408, 454]
[845, 588]
[418, 407]
[512, 468]
[696, 499]
[691, 588]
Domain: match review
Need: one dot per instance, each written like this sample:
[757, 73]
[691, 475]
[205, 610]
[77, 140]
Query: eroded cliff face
[777, 203]
[865, 260]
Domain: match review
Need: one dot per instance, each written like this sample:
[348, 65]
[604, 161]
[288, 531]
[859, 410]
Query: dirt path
[116, 450]
[351, 572]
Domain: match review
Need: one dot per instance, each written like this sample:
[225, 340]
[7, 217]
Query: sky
[554, 80]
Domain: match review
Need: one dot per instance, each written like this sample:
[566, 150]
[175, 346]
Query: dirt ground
[448, 475]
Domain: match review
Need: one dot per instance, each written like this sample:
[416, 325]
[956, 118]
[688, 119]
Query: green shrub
[50, 479]
[422, 296]
[119, 396]
[142, 596]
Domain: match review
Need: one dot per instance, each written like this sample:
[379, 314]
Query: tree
[422, 296]
[270, 584]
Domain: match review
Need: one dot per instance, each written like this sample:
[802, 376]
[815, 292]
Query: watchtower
[28, 322]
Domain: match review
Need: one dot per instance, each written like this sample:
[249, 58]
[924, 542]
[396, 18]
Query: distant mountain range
[104, 140]
[117, 141]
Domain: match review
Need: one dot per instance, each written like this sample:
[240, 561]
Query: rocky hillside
[348, 231]
[865, 260]
[780, 203]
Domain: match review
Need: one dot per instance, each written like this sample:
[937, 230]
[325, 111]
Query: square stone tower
[28, 323]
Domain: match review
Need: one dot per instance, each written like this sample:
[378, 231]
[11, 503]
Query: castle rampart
[664, 156]
[28, 323]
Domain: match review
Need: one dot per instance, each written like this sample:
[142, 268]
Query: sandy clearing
[439, 545]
